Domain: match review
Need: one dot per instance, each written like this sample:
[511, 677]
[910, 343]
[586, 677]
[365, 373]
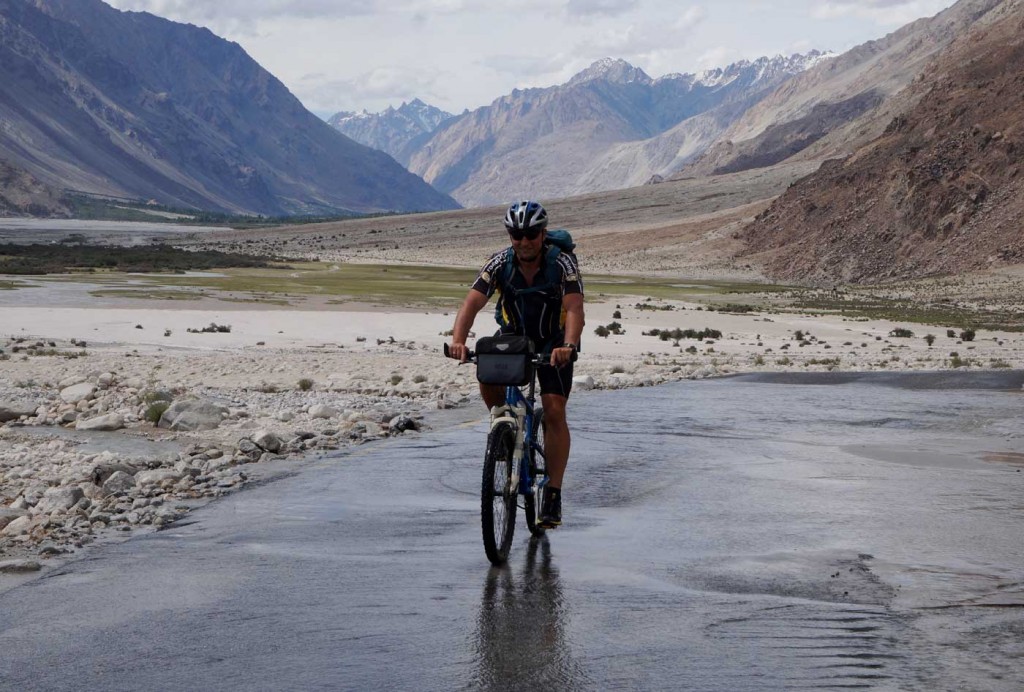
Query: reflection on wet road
[851, 532]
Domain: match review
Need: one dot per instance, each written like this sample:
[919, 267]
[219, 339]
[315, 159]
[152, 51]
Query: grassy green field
[407, 285]
[863, 305]
[432, 287]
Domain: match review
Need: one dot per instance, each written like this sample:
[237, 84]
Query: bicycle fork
[516, 417]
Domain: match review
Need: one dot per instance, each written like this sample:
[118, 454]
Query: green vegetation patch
[371, 283]
[671, 289]
[896, 310]
[146, 294]
[59, 258]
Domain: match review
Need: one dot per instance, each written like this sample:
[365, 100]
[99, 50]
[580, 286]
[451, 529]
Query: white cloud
[354, 54]
[883, 12]
[608, 8]
[383, 84]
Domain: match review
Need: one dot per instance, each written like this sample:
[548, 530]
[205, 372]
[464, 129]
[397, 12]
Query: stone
[11, 410]
[77, 393]
[268, 440]
[119, 483]
[402, 423]
[19, 566]
[156, 476]
[322, 411]
[249, 448]
[71, 381]
[583, 382]
[105, 380]
[9, 514]
[60, 499]
[93, 491]
[192, 415]
[18, 527]
[109, 421]
[285, 416]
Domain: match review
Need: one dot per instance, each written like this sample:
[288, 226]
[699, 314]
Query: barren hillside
[940, 192]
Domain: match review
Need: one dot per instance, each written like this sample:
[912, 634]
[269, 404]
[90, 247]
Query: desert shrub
[901, 333]
[615, 369]
[419, 379]
[305, 384]
[155, 410]
[211, 328]
[951, 333]
[267, 388]
[617, 315]
[967, 335]
[396, 379]
[929, 339]
[602, 330]
[798, 335]
[677, 334]
[152, 396]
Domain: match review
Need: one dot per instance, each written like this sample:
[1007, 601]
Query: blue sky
[368, 54]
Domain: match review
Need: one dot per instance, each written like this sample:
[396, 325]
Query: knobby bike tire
[497, 497]
[532, 503]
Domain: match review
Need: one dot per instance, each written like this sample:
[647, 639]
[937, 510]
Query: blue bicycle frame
[514, 398]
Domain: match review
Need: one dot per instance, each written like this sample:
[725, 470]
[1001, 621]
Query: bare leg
[493, 395]
[556, 437]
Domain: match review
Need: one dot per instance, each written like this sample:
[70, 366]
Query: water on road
[750, 533]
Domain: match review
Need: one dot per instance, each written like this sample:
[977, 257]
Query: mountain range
[129, 105]
[610, 126]
[395, 131]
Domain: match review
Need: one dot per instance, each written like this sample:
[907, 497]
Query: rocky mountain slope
[836, 106]
[558, 141]
[394, 131]
[941, 191]
[127, 104]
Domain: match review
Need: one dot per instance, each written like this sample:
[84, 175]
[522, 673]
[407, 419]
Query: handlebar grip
[470, 354]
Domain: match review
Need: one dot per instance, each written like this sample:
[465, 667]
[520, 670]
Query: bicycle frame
[519, 411]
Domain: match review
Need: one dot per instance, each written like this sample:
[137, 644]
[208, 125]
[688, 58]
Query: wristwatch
[569, 344]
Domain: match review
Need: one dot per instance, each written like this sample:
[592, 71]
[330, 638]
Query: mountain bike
[514, 463]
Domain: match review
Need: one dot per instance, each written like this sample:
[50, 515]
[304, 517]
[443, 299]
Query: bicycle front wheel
[498, 497]
[534, 502]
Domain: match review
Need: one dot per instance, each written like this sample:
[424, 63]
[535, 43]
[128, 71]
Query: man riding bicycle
[540, 295]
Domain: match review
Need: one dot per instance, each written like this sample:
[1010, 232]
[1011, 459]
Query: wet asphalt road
[840, 532]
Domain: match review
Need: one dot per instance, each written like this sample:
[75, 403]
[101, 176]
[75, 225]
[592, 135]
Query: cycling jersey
[537, 314]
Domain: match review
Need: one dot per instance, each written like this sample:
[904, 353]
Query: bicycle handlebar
[538, 359]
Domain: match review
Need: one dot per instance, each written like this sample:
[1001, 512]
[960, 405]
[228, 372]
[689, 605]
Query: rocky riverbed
[132, 430]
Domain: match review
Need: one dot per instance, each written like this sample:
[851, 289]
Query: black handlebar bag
[505, 359]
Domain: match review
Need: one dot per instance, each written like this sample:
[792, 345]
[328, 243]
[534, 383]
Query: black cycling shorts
[555, 380]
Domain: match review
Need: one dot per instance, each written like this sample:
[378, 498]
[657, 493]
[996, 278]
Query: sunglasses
[529, 233]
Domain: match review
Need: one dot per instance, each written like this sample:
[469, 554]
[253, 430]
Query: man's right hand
[459, 352]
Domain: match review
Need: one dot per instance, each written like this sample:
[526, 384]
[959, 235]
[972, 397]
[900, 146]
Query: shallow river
[749, 533]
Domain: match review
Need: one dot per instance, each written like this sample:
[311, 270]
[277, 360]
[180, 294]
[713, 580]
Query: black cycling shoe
[551, 515]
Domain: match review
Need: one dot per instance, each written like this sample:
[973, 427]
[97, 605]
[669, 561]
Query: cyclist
[541, 298]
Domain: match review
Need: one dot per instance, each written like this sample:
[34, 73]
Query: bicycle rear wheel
[532, 503]
[498, 497]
